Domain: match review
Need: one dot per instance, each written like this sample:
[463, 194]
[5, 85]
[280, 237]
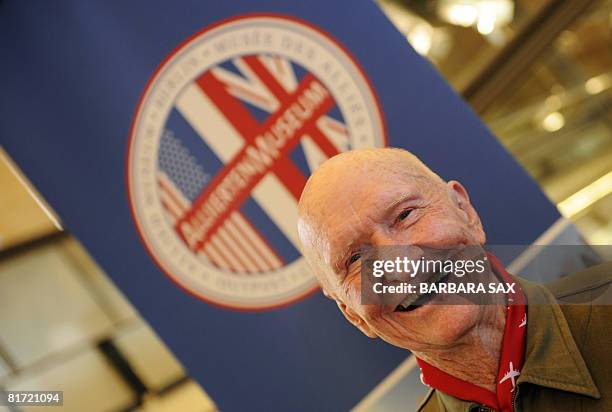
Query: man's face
[356, 208]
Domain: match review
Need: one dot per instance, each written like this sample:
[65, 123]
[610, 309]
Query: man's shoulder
[430, 403]
[436, 401]
[585, 299]
[591, 285]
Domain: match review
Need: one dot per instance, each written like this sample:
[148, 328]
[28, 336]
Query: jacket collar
[552, 358]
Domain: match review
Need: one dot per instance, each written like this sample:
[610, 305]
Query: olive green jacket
[568, 354]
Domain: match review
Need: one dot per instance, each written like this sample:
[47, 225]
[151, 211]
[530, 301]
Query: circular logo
[226, 133]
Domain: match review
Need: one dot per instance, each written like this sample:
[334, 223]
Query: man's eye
[404, 214]
[354, 258]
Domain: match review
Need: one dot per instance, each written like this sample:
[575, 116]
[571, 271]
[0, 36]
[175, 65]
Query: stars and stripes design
[214, 118]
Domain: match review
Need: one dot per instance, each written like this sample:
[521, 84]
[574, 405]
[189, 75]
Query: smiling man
[481, 357]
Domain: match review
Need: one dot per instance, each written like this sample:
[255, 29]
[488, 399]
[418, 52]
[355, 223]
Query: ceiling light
[486, 20]
[461, 14]
[553, 122]
[420, 37]
[597, 84]
[586, 196]
[486, 15]
[553, 102]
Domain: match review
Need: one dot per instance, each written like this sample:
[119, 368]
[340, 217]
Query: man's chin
[433, 325]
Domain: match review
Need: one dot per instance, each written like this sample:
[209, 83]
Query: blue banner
[174, 138]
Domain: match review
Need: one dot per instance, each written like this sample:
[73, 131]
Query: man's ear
[462, 201]
[356, 320]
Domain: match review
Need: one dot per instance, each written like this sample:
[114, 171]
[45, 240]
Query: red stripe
[270, 81]
[279, 92]
[264, 241]
[292, 177]
[255, 249]
[207, 256]
[214, 260]
[234, 111]
[240, 244]
[247, 127]
[288, 173]
[211, 88]
[169, 209]
[224, 255]
[232, 252]
[328, 148]
[170, 191]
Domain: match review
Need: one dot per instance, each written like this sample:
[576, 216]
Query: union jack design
[234, 157]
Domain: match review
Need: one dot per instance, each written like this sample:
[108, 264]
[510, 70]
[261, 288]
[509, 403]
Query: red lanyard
[510, 362]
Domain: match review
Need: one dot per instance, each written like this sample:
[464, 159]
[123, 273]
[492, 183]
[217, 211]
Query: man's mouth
[415, 301]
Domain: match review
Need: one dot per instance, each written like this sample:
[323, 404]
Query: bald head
[354, 197]
[346, 168]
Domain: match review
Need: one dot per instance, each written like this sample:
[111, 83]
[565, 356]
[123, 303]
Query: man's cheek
[443, 230]
[350, 293]
[371, 314]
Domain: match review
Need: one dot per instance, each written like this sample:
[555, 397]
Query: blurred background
[539, 74]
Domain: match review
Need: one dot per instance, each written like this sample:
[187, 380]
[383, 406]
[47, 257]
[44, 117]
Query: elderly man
[559, 360]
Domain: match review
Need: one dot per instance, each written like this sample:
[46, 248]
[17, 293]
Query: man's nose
[384, 238]
[389, 246]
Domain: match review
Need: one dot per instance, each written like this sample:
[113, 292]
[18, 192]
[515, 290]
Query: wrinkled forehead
[359, 178]
[355, 180]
